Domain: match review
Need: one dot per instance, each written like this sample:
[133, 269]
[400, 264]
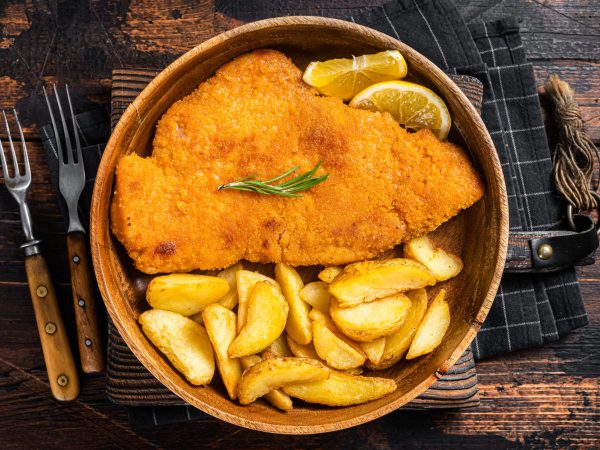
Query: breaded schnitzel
[256, 117]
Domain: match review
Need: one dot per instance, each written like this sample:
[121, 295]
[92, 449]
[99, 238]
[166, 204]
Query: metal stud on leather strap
[545, 251]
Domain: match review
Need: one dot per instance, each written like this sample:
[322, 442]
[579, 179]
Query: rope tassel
[575, 154]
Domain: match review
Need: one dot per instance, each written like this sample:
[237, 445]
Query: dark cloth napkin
[530, 309]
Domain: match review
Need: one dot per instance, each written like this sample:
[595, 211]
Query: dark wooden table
[546, 397]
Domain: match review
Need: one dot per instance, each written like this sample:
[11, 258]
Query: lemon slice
[412, 105]
[344, 78]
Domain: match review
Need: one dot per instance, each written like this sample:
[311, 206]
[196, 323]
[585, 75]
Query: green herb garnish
[289, 188]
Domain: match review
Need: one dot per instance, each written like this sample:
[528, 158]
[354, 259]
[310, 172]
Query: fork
[71, 174]
[62, 374]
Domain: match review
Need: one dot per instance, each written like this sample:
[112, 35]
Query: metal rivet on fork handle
[62, 380]
[41, 291]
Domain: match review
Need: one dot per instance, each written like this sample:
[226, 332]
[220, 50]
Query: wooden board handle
[86, 306]
[62, 373]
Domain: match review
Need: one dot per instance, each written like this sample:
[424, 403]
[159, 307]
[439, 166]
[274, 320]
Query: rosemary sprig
[289, 188]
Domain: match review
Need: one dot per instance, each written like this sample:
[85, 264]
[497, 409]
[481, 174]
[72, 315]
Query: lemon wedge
[412, 105]
[346, 77]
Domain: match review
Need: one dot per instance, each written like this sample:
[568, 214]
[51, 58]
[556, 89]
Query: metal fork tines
[70, 164]
[18, 184]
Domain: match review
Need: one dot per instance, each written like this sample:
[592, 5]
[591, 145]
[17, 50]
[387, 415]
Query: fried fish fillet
[256, 117]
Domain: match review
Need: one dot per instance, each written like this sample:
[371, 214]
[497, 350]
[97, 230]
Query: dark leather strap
[548, 251]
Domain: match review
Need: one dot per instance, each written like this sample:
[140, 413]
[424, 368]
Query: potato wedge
[441, 264]
[317, 295]
[221, 325]
[328, 274]
[182, 341]
[267, 313]
[298, 324]
[270, 374]
[396, 345]
[342, 389]
[279, 348]
[369, 280]
[318, 316]
[303, 351]
[230, 299]
[185, 293]
[432, 328]
[368, 321]
[333, 350]
[374, 349]
[245, 281]
[276, 397]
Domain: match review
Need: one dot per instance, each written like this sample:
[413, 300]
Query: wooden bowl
[479, 234]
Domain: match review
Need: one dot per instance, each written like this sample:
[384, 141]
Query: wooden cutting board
[129, 383]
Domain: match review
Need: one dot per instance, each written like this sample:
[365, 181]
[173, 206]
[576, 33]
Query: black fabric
[529, 310]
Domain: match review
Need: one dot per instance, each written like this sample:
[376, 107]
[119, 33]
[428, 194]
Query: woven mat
[128, 381]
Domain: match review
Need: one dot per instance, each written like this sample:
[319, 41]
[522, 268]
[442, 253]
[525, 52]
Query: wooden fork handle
[60, 365]
[86, 306]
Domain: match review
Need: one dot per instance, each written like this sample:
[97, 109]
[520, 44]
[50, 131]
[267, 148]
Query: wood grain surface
[546, 397]
[85, 304]
[58, 358]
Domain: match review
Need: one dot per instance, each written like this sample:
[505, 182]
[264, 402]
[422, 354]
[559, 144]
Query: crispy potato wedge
[185, 293]
[303, 351]
[333, 350]
[369, 280]
[230, 299]
[396, 345]
[441, 264]
[245, 281]
[432, 328]
[318, 316]
[221, 325]
[279, 348]
[368, 321]
[374, 349]
[267, 313]
[328, 274]
[317, 295]
[342, 389]
[298, 324]
[276, 397]
[270, 374]
[182, 341]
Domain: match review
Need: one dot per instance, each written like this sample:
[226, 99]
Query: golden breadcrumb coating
[256, 117]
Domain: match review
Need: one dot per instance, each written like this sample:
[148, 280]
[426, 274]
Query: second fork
[71, 174]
